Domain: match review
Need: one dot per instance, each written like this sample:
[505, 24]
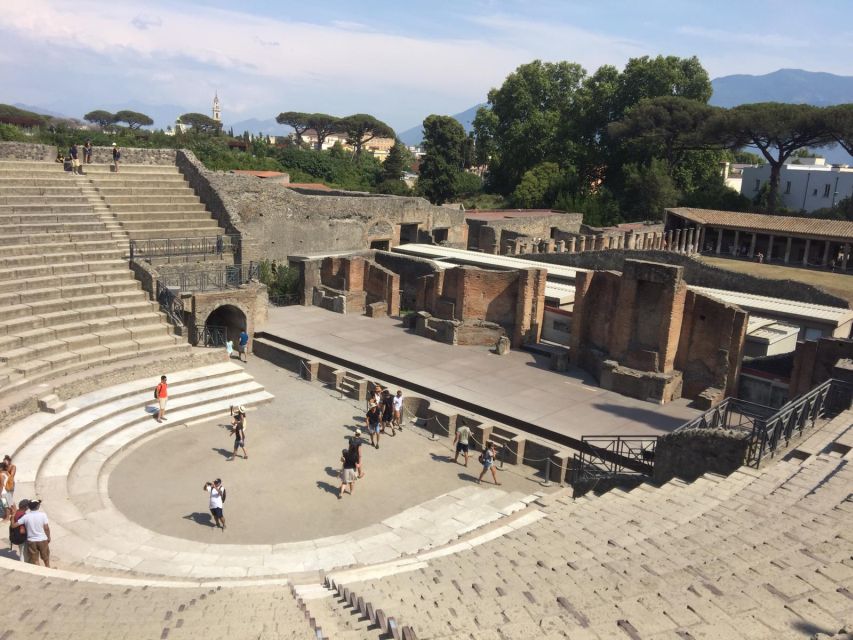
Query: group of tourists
[75, 164]
[28, 526]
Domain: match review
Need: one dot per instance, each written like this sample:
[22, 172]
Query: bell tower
[217, 111]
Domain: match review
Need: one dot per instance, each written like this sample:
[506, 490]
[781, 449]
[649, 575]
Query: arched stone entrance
[231, 318]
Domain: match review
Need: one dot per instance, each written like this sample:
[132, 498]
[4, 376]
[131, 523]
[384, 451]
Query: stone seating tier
[68, 299]
[759, 554]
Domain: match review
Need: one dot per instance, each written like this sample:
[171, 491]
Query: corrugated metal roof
[779, 307]
[838, 230]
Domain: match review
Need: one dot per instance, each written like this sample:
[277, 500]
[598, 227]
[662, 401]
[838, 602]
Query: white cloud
[741, 38]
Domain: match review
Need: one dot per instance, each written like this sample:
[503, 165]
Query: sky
[399, 60]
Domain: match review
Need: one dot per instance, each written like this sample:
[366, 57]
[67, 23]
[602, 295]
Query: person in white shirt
[398, 410]
[217, 499]
[38, 533]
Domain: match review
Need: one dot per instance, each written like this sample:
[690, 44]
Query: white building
[809, 185]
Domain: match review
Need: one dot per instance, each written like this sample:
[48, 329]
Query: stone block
[559, 361]
[309, 370]
[515, 449]
[710, 397]
[376, 310]
[502, 346]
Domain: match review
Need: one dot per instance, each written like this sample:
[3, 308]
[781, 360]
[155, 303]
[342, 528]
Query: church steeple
[217, 112]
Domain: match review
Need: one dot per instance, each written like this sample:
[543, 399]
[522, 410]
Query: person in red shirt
[162, 394]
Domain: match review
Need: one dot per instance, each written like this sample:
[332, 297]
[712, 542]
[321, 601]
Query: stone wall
[410, 269]
[352, 284]
[697, 273]
[492, 235]
[814, 362]
[27, 151]
[641, 331]
[513, 300]
[711, 345]
[690, 453]
[281, 223]
[251, 299]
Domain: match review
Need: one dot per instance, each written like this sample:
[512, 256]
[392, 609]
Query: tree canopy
[133, 119]
[323, 125]
[443, 144]
[100, 117]
[840, 120]
[296, 120]
[361, 128]
[200, 122]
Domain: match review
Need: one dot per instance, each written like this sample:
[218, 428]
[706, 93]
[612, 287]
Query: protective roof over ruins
[762, 223]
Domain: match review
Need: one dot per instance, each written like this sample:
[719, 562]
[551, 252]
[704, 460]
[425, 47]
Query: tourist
[75, 162]
[11, 469]
[377, 395]
[387, 411]
[161, 392]
[217, 500]
[229, 348]
[398, 410]
[5, 504]
[243, 346]
[238, 428]
[18, 535]
[116, 157]
[460, 440]
[349, 458]
[356, 442]
[38, 533]
[87, 151]
[488, 460]
[372, 421]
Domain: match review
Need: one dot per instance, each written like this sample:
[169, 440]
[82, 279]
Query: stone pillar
[599, 242]
[736, 248]
[719, 240]
[620, 241]
[572, 243]
[806, 253]
[668, 240]
[692, 236]
[844, 257]
[631, 240]
[788, 250]
[549, 246]
[676, 240]
[640, 241]
[658, 240]
[561, 246]
[700, 243]
[825, 260]
[769, 249]
[581, 244]
[752, 245]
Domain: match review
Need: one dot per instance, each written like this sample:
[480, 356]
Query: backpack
[222, 493]
[17, 535]
[156, 390]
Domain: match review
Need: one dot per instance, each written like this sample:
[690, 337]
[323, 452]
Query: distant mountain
[40, 110]
[415, 135]
[785, 85]
[267, 127]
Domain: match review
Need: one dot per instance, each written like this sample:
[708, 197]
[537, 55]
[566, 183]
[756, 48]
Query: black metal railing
[204, 247]
[797, 416]
[612, 458]
[769, 429]
[170, 304]
[208, 335]
[225, 277]
[284, 300]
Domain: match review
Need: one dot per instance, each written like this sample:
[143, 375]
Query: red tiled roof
[316, 186]
[761, 223]
[507, 214]
[259, 174]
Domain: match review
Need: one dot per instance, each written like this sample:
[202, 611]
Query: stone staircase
[68, 300]
[152, 201]
[758, 554]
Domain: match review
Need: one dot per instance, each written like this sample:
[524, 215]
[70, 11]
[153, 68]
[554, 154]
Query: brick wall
[489, 236]
[814, 361]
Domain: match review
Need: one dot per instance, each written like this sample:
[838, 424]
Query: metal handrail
[174, 247]
[610, 457]
[208, 335]
[225, 277]
[170, 304]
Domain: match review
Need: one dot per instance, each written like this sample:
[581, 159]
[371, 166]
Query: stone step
[7, 181]
[27, 296]
[52, 227]
[111, 192]
[46, 238]
[182, 232]
[99, 318]
[25, 260]
[47, 217]
[82, 206]
[56, 168]
[68, 200]
[48, 191]
[168, 222]
[49, 248]
[67, 270]
[131, 169]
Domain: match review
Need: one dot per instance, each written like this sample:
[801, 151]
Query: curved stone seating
[68, 300]
[759, 554]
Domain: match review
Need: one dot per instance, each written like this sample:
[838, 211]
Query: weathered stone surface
[502, 346]
[690, 453]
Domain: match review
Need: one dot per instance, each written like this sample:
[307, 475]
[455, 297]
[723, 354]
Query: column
[572, 244]
[561, 246]
[825, 260]
[806, 254]
[736, 246]
[658, 240]
[752, 245]
[581, 244]
[692, 236]
[719, 240]
[788, 250]
[769, 255]
[669, 238]
[844, 257]
[676, 240]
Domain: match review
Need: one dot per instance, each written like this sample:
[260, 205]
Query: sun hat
[241, 409]
[358, 432]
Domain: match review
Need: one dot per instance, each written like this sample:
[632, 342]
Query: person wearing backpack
[217, 501]
[350, 460]
[18, 535]
[161, 394]
[38, 533]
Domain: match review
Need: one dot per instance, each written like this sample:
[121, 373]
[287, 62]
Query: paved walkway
[518, 384]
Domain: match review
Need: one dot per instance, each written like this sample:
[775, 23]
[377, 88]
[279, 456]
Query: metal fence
[611, 458]
[770, 429]
[208, 335]
[170, 303]
[224, 277]
[200, 248]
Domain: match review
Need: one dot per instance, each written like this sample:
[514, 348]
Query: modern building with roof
[807, 185]
[786, 239]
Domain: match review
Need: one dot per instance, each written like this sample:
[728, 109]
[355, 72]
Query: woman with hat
[238, 428]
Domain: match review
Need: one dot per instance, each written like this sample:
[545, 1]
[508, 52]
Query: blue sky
[398, 60]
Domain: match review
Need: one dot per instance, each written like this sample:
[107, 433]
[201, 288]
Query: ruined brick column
[572, 244]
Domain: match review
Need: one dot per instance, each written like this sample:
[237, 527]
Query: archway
[225, 323]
